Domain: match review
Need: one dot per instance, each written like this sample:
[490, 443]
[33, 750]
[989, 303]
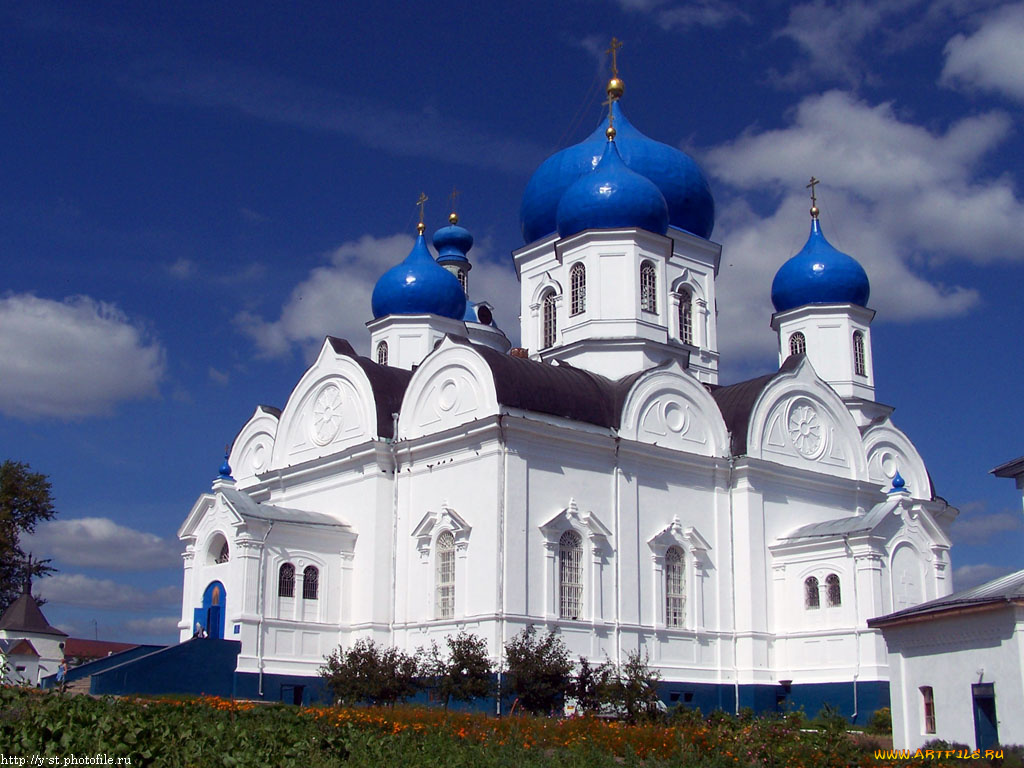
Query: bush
[591, 685]
[464, 673]
[632, 688]
[371, 674]
[538, 670]
[881, 721]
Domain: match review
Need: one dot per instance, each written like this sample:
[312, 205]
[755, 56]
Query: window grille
[648, 288]
[685, 317]
[570, 573]
[928, 702]
[578, 283]
[445, 577]
[549, 323]
[382, 353]
[675, 591]
[797, 344]
[310, 583]
[858, 354]
[833, 591]
[225, 554]
[286, 581]
[812, 601]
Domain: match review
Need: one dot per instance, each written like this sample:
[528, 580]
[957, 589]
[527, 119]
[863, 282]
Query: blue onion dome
[452, 242]
[611, 196]
[819, 274]
[417, 286]
[676, 174]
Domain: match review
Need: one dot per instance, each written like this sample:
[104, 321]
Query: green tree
[25, 500]
[464, 672]
[366, 672]
[538, 670]
[632, 688]
[591, 685]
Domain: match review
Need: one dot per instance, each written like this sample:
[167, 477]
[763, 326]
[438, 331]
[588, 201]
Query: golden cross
[814, 182]
[422, 199]
[613, 49]
[454, 197]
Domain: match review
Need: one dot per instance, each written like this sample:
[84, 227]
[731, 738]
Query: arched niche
[888, 450]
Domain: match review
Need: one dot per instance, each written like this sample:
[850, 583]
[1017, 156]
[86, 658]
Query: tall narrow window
[812, 601]
[675, 593]
[797, 344]
[570, 575]
[834, 594]
[445, 577]
[225, 554]
[286, 581]
[578, 284]
[858, 354]
[685, 317]
[310, 583]
[548, 321]
[382, 353]
[928, 708]
[648, 288]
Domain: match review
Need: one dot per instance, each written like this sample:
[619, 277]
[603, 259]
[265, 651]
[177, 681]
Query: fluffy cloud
[166, 626]
[99, 542]
[902, 196]
[335, 298]
[967, 576]
[85, 591]
[978, 528]
[702, 13]
[992, 58]
[45, 345]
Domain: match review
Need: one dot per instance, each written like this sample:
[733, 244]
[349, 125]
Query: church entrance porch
[211, 615]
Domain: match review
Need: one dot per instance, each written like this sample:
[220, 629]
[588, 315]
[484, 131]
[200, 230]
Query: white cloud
[99, 542]
[46, 345]
[218, 376]
[155, 626]
[182, 268]
[895, 195]
[701, 13]
[88, 592]
[967, 576]
[992, 58]
[335, 298]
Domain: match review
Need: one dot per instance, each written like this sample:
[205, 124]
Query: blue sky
[194, 195]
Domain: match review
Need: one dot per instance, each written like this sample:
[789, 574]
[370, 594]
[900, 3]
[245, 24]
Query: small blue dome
[610, 196]
[225, 468]
[819, 274]
[452, 243]
[686, 190]
[418, 285]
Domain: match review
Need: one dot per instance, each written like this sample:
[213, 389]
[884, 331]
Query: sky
[194, 194]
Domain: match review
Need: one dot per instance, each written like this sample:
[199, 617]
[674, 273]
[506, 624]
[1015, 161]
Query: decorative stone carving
[326, 414]
[805, 428]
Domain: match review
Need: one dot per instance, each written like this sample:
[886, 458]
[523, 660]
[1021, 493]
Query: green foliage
[25, 500]
[881, 721]
[591, 685]
[368, 673]
[461, 674]
[632, 688]
[538, 671]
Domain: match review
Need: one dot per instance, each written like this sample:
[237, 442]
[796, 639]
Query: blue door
[986, 732]
[211, 615]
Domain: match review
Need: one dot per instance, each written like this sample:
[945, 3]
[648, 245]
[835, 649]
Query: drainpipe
[856, 629]
[261, 607]
[618, 556]
[732, 578]
[394, 528]
[502, 507]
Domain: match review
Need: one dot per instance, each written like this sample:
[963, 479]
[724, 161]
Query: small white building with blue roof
[597, 480]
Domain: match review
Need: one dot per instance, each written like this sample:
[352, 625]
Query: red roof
[80, 648]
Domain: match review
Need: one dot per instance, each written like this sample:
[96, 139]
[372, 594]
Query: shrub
[538, 670]
[590, 685]
[881, 721]
[464, 673]
[368, 673]
[632, 688]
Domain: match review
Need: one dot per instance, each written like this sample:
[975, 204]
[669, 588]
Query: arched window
[224, 555]
[675, 588]
[648, 288]
[445, 575]
[310, 583]
[549, 327]
[833, 593]
[286, 581]
[811, 598]
[570, 575]
[797, 344]
[382, 353]
[858, 354]
[685, 316]
[578, 284]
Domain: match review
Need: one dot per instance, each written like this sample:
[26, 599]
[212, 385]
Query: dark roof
[1009, 469]
[23, 615]
[388, 385]
[18, 647]
[736, 402]
[1006, 589]
[82, 648]
[560, 390]
[272, 410]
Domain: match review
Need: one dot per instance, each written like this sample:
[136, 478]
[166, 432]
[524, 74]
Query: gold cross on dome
[613, 49]
[811, 186]
[420, 202]
[454, 196]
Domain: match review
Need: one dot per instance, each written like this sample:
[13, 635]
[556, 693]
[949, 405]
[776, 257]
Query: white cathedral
[598, 481]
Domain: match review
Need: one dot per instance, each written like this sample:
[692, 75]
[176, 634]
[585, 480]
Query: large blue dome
[686, 191]
[418, 285]
[819, 274]
[611, 196]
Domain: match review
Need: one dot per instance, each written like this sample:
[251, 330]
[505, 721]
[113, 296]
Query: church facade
[598, 481]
